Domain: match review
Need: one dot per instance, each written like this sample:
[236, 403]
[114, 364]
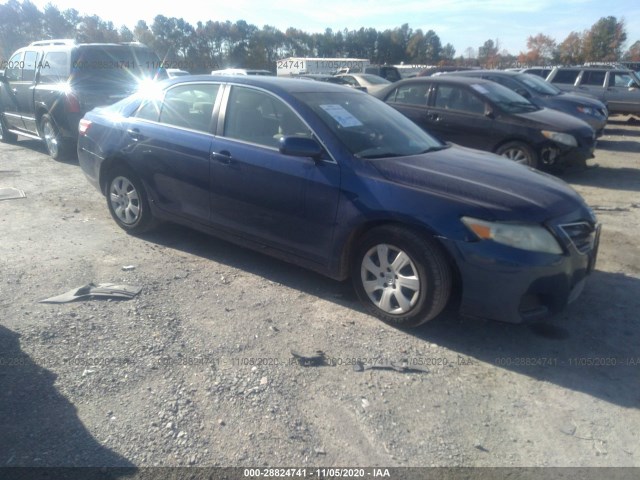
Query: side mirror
[488, 111]
[300, 147]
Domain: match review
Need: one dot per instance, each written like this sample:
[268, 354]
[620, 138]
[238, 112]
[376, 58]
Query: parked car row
[335, 180]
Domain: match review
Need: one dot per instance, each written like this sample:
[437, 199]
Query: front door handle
[223, 157]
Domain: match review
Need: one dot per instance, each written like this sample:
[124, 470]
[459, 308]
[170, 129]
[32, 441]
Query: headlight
[587, 110]
[563, 138]
[517, 235]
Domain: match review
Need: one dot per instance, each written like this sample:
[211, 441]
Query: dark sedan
[544, 94]
[335, 180]
[482, 114]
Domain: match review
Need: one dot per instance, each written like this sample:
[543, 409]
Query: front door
[285, 201]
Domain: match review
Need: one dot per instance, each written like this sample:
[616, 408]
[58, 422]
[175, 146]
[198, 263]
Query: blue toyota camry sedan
[335, 180]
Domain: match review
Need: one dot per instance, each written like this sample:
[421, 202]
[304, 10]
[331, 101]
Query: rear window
[55, 67]
[108, 63]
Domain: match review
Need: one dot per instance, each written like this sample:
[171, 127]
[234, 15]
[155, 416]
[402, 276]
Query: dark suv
[542, 94]
[619, 88]
[48, 86]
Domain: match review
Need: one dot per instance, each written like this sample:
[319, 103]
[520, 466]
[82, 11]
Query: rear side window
[189, 106]
[29, 70]
[595, 78]
[55, 67]
[413, 94]
[567, 77]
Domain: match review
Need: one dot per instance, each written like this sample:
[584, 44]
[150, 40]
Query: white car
[370, 83]
[176, 72]
[241, 71]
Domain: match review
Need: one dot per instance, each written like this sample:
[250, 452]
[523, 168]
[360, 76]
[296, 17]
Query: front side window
[257, 117]
[619, 79]
[452, 97]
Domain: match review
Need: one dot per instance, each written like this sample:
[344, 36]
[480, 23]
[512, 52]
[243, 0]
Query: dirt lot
[197, 369]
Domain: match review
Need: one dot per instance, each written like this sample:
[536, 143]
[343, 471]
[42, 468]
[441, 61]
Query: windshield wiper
[435, 149]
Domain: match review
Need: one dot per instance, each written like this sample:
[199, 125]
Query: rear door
[592, 82]
[623, 93]
[170, 141]
[284, 201]
[411, 99]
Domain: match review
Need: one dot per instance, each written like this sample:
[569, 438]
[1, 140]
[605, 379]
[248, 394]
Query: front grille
[581, 234]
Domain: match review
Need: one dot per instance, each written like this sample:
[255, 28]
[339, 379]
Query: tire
[5, 135]
[127, 201]
[411, 292]
[519, 152]
[57, 147]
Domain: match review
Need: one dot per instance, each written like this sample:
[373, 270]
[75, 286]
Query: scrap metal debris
[402, 367]
[316, 359]
[10, 193]
[102, 290]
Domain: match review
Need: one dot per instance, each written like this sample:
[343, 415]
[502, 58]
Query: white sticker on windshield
[342, 116]
[479, 88]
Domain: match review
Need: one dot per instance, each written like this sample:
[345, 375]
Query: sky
[463, 23]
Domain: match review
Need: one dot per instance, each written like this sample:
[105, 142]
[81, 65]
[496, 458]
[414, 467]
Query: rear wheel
[5, 135]
[127, 201]
[519, 152]
[57, 147]
[401, 277]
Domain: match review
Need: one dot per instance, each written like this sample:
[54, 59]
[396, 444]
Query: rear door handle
[433, 116]
[223, 157]
[135, 134]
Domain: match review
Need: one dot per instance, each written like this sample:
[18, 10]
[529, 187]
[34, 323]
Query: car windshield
[538, 84]
[369, 128]
[506, 99]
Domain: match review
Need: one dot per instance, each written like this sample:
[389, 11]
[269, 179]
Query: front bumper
[513, 285]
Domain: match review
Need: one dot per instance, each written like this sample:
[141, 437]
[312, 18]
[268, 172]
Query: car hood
[547, 118]
[581, 99]
[503, 189]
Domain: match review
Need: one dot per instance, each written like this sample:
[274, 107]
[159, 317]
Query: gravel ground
[197, 370]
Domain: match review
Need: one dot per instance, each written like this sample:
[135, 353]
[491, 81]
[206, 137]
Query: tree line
[219, 44]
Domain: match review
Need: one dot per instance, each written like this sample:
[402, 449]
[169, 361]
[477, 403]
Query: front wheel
[5, 135]
[401, 277]
[127, 202]
[519, 152]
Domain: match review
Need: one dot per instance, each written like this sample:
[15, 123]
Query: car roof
[472, 73]
[272, 83]
[449, 78]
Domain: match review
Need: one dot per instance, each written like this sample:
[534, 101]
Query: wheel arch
[357, 234]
